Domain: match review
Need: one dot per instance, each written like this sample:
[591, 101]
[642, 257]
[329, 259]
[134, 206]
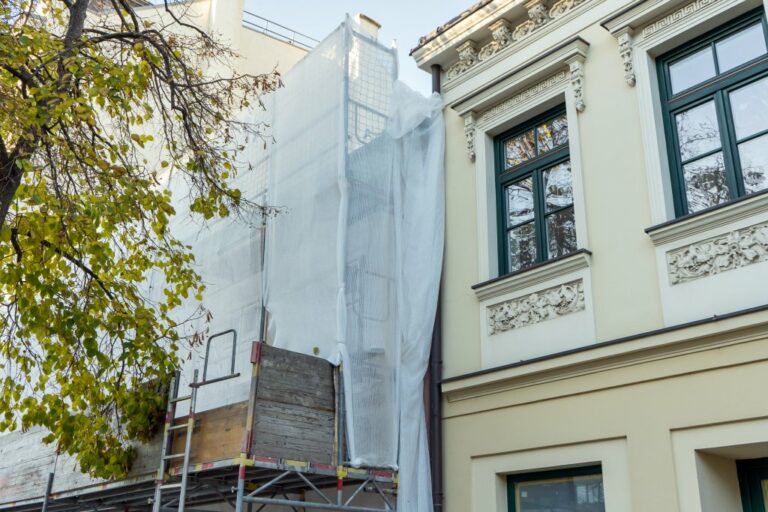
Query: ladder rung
[171, 486]
[180, 398]
[173, 456]
[178, 427]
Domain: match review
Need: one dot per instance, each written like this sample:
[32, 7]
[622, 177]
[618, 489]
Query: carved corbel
[470, 129]
[576, 68]
[537, 17]
[467, 58]
[502, 37]
[624, 37]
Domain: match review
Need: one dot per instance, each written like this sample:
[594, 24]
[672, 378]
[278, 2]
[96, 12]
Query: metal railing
[278, 31]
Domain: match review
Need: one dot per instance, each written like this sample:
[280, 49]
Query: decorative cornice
[708, 220]
[467, 58]
[718, 254]
[518, 79]
[505, 106]
[676, 16]
[504, 36]
[536, 307]
[548, 271]
[576, 67]
[624, 37]
[469, 135]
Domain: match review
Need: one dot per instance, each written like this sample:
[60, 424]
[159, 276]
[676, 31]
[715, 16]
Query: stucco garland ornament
[577, 84]
[469, 135]
[625, 51]
[536, 307]
[563, 7]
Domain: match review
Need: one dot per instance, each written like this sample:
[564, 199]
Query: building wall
[641, 379]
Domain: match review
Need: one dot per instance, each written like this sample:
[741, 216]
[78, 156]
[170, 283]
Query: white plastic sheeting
[354, 261]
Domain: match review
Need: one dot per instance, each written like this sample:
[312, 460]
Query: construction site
[307, 392]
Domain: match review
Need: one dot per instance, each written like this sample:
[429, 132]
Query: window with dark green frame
[574, 489]
[714, 94]
[534, 188]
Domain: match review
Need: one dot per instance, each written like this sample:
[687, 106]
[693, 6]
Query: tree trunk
[10, 179]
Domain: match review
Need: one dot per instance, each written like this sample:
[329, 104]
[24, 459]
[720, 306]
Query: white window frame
[555, 79]
[645, 32]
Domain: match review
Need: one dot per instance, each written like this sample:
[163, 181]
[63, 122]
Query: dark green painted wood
[751, 473]
[534, 168]
[717, 89]
[546, 475]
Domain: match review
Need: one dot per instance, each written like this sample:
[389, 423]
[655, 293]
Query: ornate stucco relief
[576, 68]
[676, 16]
[625, 51]
[562, 7]
[718, 254]
[536, 307]
[502, 108]
[503, 35]
[467, 58]
[469, 134]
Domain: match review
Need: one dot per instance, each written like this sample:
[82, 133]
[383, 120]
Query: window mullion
[727, 139]
[538, 216]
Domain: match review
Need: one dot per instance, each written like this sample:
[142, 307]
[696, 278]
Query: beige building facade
[605, 284]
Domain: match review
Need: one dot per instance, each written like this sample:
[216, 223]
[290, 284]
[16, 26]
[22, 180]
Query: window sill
[708, 219]
[539, 273]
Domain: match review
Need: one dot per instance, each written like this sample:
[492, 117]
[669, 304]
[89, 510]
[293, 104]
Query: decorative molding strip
[469, 134]
[576, 67]
[625, 51]
[511, 103]
[503, 35]
[676, 16]
[467, 58]
[561, 268]
[718, 254]
[706, 221]
[536, 307]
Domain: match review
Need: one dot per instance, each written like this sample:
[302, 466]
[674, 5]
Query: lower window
[753, 484]
[571, 490]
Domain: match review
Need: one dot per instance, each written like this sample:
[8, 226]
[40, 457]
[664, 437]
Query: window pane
[558, 187]
[520, 202]
[705, 184]
[519, 149]
[741, 47]
[750, 108]
[692, 70]
[522, 247]
[754, 164]
[697, 130]
[561, 233]
[552, 134]
[579, 494]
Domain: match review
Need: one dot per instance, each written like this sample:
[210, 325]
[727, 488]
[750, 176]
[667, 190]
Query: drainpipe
[435, 376]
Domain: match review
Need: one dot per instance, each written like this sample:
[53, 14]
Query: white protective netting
[353, 263]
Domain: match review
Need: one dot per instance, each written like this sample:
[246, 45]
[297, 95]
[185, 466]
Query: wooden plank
[293, 432]
[218, 434]
[293, 378]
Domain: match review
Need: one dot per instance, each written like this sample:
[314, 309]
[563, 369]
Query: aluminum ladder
[166, 457]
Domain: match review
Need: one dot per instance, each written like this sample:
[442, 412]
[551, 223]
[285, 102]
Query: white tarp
[354, 261]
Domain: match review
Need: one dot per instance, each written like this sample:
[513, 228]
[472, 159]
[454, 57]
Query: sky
[402, 20]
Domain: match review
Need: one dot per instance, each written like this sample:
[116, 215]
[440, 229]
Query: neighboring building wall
[615, 376]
